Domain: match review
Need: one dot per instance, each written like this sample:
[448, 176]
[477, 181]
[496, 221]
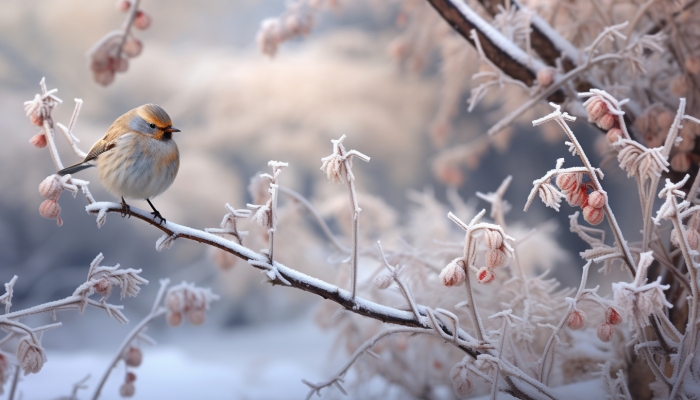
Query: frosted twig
[266, 215]
[338, 168]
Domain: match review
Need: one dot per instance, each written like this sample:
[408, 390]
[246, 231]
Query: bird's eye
[153, 126]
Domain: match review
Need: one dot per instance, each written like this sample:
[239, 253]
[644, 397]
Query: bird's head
[152, 120]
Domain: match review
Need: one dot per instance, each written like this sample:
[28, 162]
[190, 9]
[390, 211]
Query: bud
[596, 199]
[592, 215]
[680, 162]
[142, 20]
[607, 121]
[50, 209]
[38, 140]
[495, 258]
[133, 357]
[577, 197]
[576, 320]
[568, 181]
[36, 118]
[122, 64]
[453, 274]
[545, 76]
[493, 238]
[132, 47]
[612, 316]
[127, 389]
[485, 275]
[613, 135]
[174, 319]
[605, 332]
[103, 287]
[130, 377]
[123, 5]
[383, 281]
[50, 187]
[175, 302]
[104, 78]
[596, 109]
[197, 316]
[30, 356]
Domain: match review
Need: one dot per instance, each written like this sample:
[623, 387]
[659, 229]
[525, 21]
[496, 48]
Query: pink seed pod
[127, 389]
[596, 199]
[175, 302]
[568, 181]
[493, 239]
[197, 316]
[596, 109]
[605, 332]
[383, 281]
[174, 319]
[592, 215]
[30, 357]
[130, 377]
[692, 65]
[49, 209]
[612, 316]
[693, 238]
[613, 135]
[607, 121]
[545, 76]
[142, 20]
[485, 275]
[665, 120]
[103, 287]
[577, 197]
[495, 258]
[122, 65]
[38, 140]
[132, 47]
[123, 5]
[133, 357]
[576, 320]
[104, 78]
[50, 187]
[680, 162]
[453, 274]
[36, 118]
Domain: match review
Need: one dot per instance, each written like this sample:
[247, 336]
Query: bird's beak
[171, 129]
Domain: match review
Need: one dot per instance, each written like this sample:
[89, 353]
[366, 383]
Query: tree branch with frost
[229, 224]
[338, 168]
[499, 206]
[562, 119]
[173, 301]
[550, 196]
[266, 214]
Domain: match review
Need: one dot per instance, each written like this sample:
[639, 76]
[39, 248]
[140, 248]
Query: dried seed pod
[596, 199]
[132, 47]
[680, 162]
[612, 316]
[493, 239]
[130, 377]
[576, 320]
[577, 197]
[453, 274]
[605, 332]
[127, 389]
[103, 287]
[592, 215]
[142, 20]
[607, 121]
[38, 140]
[495, 258]
[133, 357]
[596, 109]
[49, 209]
[485, 275]
[382, 282]
[174, 318]
[50, 187]
[614, 135]
[197, 316]
[568, 181]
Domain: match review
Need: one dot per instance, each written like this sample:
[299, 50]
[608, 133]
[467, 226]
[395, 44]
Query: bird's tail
[74, 168]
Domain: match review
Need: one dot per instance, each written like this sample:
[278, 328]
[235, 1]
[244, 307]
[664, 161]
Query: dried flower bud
[103, 287]
[382, 282]
[568, 181]
[596, 199]
[680, 85]
[577, 197]
[576, 320]
[121, 65]
[485, 275]
[545, 76]
[175, 302]
[38, 140]
[127, 389]
[174, 319]
[592, 215]
[691, 235]
[130, 377]
[607, 121]
[197, 316]
[30, 356]
[36, 119]
[680, 162]
[688, 142]
[104, 78]
[596, 109]
[612, 316]
[50, 187]
[453, 274]
[132, 47]
[495, 258]
[50, 209]
[493, 239]
[665, 120]
[459, 375]
[142, 20]
[613, 135]
[692, 64]
[605, 332]
[123, 5]
[133, 357]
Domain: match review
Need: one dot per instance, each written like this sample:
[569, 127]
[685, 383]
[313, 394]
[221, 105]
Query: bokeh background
[237, 109]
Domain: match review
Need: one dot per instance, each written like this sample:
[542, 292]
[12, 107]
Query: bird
[136, 158]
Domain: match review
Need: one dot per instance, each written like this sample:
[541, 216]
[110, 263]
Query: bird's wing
[98, 148]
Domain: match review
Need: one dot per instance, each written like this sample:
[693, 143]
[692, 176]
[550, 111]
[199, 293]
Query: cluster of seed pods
[133, 358]
[581, 194]
[577, 320]
[51, 189]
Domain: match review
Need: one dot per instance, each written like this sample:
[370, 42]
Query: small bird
[137, 158]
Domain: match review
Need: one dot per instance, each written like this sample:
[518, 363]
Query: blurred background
[237, 109]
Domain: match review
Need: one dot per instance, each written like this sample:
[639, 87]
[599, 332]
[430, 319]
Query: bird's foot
[126, 209]
[156, 215]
